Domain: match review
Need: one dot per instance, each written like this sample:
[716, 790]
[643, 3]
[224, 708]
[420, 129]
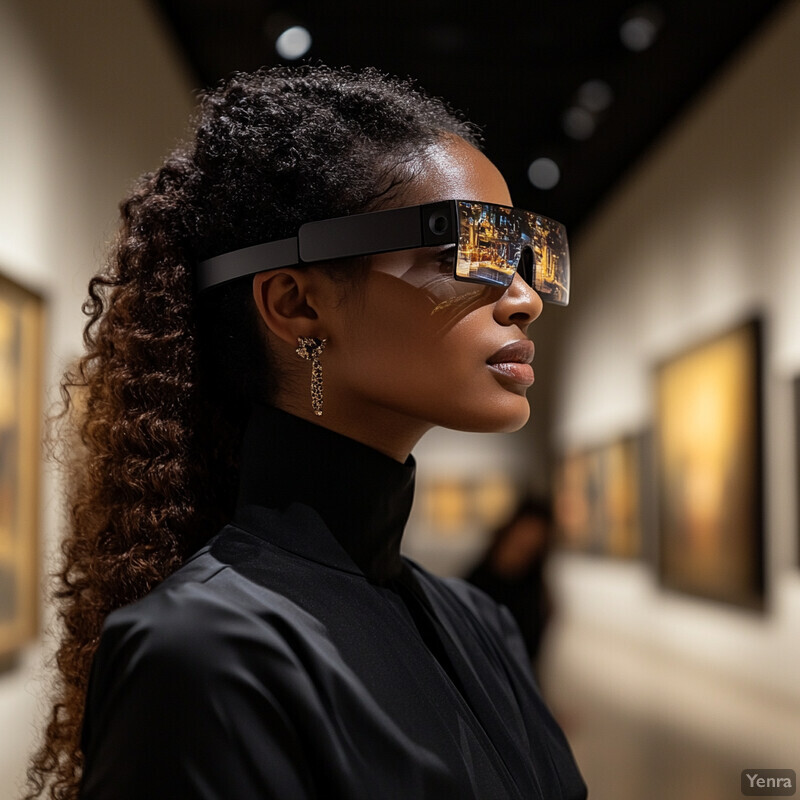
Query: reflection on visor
[432, 274]
[493, 242]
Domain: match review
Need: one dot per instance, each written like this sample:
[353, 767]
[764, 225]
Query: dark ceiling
[514, 68]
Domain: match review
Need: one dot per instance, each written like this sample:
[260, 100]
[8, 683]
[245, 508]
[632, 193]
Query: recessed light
[578, 123]
[640, 27]
[293, 43]
[595, 95]
[544, 173]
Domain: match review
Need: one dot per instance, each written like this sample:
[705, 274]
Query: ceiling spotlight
[293, 43]
[595, 96]
[544, 173]
[578, 123]
[640, 27]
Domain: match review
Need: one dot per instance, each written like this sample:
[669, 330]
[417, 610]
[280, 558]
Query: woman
[512, 570]
[237, 514]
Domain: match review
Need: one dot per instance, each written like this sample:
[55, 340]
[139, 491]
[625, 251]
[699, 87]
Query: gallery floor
[627, 756]
[644, 728]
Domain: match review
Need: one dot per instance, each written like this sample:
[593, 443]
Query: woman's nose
[519, 305]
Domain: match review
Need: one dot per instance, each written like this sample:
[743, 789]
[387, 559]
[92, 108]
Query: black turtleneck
[299, 656]
[363, 496]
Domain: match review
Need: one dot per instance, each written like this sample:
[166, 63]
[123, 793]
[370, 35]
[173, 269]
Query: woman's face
[415, 347]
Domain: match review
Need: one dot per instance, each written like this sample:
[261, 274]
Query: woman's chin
[505, 417]
[515, 422]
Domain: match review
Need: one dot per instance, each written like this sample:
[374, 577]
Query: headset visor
[493, 243]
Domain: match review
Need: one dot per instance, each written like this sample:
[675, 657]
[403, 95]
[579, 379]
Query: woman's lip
[514, 361]
[519, 352]
[515, 370]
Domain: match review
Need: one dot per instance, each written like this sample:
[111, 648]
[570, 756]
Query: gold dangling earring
[311, 349]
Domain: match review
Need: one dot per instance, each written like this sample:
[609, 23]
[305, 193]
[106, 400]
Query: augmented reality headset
[493, 244]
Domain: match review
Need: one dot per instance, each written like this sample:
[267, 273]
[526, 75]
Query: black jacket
[298, 655]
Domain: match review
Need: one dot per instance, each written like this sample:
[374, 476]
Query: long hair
[151, 419]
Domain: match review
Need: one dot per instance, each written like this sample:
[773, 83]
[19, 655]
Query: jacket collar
[322, 495]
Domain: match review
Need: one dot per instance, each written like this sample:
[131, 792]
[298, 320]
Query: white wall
[91, 95]
[704, 232]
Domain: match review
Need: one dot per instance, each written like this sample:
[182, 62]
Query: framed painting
[21, 314]
[710, 469]
[579, 502]
[452, 508]
[599, 499]
[622, 498]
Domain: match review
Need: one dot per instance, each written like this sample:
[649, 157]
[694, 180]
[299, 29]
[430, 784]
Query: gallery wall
[701, 236]
[92, 94]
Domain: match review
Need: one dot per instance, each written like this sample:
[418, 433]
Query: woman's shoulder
[201, 615]
[205, 654]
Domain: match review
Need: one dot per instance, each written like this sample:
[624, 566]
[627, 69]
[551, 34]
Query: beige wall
[91, 95]
[706, 231]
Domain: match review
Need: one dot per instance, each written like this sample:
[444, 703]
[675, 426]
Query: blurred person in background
[281, 320]
[511, 570]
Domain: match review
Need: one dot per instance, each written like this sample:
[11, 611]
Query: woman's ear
[289, 302]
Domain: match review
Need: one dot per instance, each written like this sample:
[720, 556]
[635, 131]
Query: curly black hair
[151, 419]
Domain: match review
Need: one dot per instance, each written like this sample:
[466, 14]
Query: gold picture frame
[577, 506]
[709, 450]
[599, 503]
[21, 330]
